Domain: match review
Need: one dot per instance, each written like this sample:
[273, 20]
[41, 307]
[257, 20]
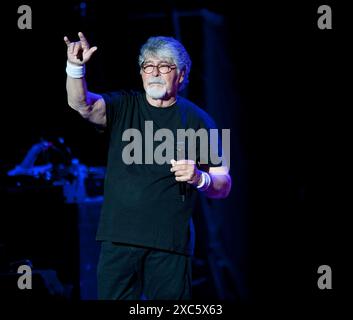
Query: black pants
[130, 273]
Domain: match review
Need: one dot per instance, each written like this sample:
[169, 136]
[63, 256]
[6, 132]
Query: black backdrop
[286, 87]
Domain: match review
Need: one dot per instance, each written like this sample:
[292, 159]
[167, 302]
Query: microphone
[180, 156]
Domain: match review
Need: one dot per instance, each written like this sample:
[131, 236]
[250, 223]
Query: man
[145, 220]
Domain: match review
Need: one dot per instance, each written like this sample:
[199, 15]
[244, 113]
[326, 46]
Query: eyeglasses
[162, 68]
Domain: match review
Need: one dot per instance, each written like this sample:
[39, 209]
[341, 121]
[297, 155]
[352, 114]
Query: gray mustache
[156, 81]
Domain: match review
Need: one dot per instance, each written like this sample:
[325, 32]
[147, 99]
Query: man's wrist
[75, 71]
[204, 182]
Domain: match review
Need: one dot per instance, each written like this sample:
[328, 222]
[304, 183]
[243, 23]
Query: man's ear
[182, 75]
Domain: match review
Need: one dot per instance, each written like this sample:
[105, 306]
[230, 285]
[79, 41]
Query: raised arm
[90, 105]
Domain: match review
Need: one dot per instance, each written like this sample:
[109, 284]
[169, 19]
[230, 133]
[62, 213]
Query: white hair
[170, 49]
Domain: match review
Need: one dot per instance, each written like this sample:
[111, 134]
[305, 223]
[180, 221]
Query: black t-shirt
[142, 203]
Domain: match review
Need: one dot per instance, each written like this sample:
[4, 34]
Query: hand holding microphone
[185, 171]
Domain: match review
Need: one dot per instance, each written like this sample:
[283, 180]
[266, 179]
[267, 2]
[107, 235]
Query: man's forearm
[220, 186]
[77, 94]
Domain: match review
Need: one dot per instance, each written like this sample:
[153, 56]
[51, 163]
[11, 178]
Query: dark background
[264, 70]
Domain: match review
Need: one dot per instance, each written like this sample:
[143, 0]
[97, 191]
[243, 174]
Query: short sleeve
[214, 155]
[113, 104]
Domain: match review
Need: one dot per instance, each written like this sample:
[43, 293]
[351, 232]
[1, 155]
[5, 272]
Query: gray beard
[156, 93]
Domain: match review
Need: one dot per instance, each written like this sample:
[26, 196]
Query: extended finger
[67, 41]
[90, 51]
[70, 45]
[83, 40]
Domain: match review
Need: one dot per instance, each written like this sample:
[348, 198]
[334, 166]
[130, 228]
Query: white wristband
[205, 182]
[75, 71]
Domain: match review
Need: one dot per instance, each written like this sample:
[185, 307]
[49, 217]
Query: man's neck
[161, 103]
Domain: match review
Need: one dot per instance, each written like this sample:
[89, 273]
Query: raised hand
[79, 52]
